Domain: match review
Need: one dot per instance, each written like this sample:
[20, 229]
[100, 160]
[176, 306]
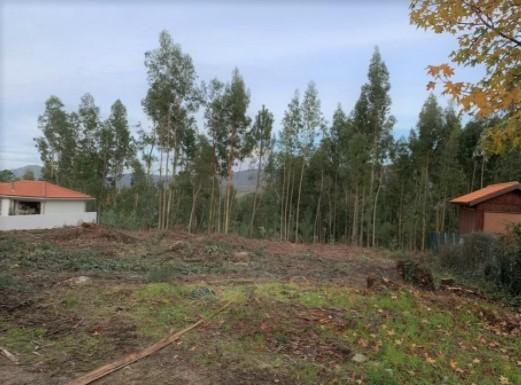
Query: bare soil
[300, 313]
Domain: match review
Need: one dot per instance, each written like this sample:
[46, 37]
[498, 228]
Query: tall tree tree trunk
[290, 208]
[375, 206]
[282, 201]
[192, 211]
[424, 207]
[370, 201]
[482, 171]
[317, 214]
[160, 208]
[473, 176]
[219, 209]
[400, 215]
[227, 203]
[211, 208]
[346, 225]
[257, 183]
[297, 220]
[165, 193]
[362, 219]
[354, 229]
[289, 202]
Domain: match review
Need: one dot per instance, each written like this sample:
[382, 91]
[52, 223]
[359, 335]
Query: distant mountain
[243, 181]
[37, 171]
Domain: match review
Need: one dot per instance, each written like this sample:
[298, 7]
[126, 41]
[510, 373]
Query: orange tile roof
[40, 189]
[486, 193]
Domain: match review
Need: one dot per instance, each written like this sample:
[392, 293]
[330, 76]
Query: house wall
[468, 222]
[5, 203]
[509, 203]
[492, 215]
[62, 207]
[46, 221]
[500, 223]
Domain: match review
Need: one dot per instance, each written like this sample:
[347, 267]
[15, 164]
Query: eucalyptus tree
[237, 143]
[88, 167]
[424, 147]
[171, 101]
[380, 123]
[122, 147]
[291, 128]
[57, 145]
[261, 135]
[229, 129]
[336, 137]
[312, 121]
[216, 124]
[201, 172]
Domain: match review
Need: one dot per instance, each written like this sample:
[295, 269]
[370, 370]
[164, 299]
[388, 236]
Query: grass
[408, 338]
[303, 333]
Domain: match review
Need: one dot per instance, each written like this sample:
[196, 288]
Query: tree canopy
[489, 36]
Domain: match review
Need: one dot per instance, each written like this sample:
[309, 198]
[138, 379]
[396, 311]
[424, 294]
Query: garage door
[500, 222]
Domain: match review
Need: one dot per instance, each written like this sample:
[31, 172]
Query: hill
[243, 181]
[20, 171]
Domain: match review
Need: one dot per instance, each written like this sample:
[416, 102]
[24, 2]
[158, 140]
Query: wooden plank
[133, 357]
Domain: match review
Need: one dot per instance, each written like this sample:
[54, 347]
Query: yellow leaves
[480, 99]
[453, 89]
[447, 70]
[433, 70]
[430, 360]
[479, 44]
[454, 366]
[442, 70]
[363, 343]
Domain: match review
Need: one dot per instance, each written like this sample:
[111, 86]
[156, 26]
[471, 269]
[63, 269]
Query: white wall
[46, 221]
[63, 207]
[5, 202]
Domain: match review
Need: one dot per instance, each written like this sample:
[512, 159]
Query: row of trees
[348, 180]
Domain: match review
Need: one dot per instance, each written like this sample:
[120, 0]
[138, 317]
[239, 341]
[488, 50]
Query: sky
[63, 49]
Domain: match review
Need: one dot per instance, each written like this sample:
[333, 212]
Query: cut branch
[133, 357]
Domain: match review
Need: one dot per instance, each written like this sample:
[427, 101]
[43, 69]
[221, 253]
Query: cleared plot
[300, 314]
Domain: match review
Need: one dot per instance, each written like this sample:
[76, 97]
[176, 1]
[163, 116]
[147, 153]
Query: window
[27, 208]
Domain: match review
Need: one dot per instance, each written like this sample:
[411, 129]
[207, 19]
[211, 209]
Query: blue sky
[52, 48]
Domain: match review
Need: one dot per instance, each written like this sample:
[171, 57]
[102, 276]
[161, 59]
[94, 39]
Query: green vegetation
[486, 260]
[295, 332]
[343, 180]
[294, 318]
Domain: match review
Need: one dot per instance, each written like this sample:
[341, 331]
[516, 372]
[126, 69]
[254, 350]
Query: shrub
[477, 253]
[487, 258]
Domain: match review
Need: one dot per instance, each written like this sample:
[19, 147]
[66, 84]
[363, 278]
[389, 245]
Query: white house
[29, 204]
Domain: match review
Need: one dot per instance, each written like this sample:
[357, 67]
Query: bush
[508, 270]
[124, 220]
[487, 258]
[473, 256]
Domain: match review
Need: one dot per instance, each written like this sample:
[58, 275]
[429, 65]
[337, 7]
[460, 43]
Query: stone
[359, 358]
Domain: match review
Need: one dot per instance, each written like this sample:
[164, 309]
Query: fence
[438, 240]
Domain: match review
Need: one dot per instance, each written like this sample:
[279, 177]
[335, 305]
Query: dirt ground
[74, 299]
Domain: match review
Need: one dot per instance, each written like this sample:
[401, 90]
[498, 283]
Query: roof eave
[48, 198]
[487, 197]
